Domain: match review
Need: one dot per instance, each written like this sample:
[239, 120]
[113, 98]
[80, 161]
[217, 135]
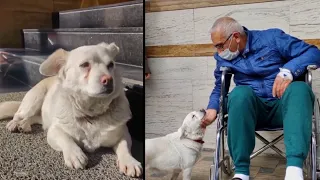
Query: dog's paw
[129, 166]
[12, 125]
[75, 158]
[24, 126]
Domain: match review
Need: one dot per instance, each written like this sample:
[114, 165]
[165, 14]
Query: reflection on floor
[262, 168]
[9, 84]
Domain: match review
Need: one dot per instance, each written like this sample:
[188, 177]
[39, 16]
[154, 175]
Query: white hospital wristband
[285, 73]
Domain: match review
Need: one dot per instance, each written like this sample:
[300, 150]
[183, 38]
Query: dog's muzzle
[109, 87]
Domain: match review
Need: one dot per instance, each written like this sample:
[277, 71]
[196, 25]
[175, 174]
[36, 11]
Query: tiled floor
[262, 168]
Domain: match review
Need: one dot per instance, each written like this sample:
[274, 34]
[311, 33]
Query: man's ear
[112, 48]
[53, 64]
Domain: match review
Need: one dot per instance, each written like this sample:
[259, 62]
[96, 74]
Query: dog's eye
[193, 116]
[84, 65]
[110, 65]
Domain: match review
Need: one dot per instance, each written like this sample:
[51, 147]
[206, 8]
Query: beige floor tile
[263, 161]
[254, 171]
[200, 176]
[267, 177]
[280, 169]
[263, 168]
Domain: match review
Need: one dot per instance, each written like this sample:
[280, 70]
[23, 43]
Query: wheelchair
[222, 163]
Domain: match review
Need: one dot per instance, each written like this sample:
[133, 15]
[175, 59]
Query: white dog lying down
[83, 105]
[179, 150]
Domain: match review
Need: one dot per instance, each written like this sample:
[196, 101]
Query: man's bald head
[226, 26]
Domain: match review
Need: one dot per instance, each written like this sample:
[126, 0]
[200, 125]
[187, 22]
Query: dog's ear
[182, 131]
[112, 48]
[53, 64]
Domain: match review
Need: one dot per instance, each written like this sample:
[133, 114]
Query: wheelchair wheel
[226, 160]
[227, 166]
[315, 133]
[307, 166]
[310, 168]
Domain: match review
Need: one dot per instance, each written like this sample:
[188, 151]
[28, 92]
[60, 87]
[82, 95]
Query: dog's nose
[105, 78]
[203, 111]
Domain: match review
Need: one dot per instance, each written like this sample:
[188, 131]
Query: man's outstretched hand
[211, 115]
[279, 86]
[147, 76]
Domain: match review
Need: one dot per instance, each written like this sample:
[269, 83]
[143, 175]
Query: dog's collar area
[199, 141]
[85, 118]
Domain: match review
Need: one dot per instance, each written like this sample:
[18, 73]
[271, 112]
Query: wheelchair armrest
[312, 67]
[226, 69]
[308, 75]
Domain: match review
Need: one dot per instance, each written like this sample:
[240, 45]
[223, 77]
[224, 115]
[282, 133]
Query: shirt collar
[249, 37]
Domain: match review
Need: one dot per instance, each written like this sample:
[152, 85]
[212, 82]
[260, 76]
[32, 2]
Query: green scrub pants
[247, 112]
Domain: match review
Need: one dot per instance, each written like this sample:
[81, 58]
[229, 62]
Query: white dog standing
[178, 151]
[83, 105]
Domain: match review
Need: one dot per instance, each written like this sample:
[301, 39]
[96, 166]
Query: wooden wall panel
[105, 2]
[16, 15]
[14, 21]
[171, 51]
[62, 5]
[27, 5]
[147, 6]
[171, 5]
[193, 50]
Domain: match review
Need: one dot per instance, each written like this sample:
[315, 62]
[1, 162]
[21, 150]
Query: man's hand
[211, 115]
[279, 86]
[282, 81]
[147, 76]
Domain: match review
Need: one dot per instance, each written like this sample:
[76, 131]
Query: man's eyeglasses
[220, 45]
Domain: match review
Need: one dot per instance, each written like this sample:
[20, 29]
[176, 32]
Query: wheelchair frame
[224, 162]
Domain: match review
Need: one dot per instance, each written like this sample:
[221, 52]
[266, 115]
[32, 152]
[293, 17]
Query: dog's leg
[156, 172]
[30, 105]
[23, 115]
[175, 174]
[187, 174]
[25, 125]
[127, 164]
[73, 155]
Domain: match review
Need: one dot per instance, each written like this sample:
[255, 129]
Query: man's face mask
[227, 54]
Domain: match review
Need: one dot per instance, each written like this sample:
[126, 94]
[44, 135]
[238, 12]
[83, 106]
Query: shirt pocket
[269, 57]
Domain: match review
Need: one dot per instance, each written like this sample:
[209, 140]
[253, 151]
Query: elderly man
[264, 64]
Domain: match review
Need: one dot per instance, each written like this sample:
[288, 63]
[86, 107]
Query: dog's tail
[8, 109]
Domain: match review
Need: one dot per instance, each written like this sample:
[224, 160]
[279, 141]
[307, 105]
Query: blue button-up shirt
[258, 65]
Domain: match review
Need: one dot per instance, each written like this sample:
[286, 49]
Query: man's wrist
[285, 73]
[210, 109]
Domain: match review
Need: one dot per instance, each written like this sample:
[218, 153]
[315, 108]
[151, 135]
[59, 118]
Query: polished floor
[262, 168]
